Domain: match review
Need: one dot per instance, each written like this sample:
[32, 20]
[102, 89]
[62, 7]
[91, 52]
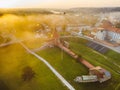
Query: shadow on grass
[3, 86]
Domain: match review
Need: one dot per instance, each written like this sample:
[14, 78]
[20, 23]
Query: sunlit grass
[12, 61]
[69, 68]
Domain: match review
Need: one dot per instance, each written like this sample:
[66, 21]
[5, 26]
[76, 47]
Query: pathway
[70, 87]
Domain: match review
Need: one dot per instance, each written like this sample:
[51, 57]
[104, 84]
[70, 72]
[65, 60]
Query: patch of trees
[24, 12]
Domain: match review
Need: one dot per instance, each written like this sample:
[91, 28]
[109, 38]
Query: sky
[57, 3]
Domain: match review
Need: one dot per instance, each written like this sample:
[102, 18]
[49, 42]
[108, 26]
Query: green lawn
[13, 59]
[69, 68]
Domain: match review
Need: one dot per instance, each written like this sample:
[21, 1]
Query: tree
[28, 73]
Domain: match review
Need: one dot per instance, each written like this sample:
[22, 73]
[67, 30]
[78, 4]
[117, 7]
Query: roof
[109, 26]
[107, 23]
[97, 68]
[90, 77]
[107, 74]
[97, 71]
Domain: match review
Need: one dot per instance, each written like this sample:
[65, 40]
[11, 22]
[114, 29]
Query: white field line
[70, 87]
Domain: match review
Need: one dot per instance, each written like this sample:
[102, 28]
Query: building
[86, 78]
[70, 28]
[95, 74]
[78, 27]
[107, 32]
[102, 74]
[101, 34]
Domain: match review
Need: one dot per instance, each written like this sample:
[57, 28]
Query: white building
[114, 36]
[107, 31]
[108, 35]
[78, 28]
[101, 35]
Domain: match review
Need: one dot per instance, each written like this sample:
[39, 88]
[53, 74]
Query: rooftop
[109, 26]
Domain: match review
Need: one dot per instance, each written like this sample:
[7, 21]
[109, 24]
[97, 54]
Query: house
[101, 34]
[77, 29]
[107, 32]
[73, 28]
[95, 74]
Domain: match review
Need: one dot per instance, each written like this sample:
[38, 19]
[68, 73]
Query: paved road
[70, 87]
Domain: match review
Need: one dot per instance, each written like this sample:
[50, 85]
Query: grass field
[69, 68]
[13, 59]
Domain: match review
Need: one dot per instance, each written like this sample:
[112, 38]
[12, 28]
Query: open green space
[13, 59]
[69, 68]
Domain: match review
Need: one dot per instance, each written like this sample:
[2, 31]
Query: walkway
[46, 45]
[50, 67]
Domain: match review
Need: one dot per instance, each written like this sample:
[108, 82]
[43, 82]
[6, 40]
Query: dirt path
[70, 87]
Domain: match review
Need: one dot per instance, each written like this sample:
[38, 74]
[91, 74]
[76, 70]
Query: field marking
[70, 87]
